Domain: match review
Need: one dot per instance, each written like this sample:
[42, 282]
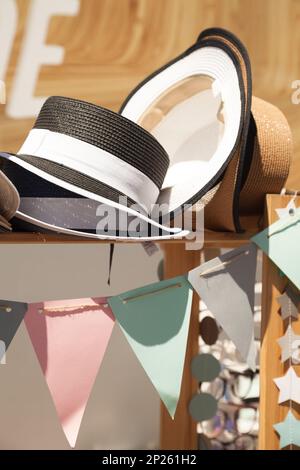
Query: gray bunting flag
[11, 316]
[226, 285]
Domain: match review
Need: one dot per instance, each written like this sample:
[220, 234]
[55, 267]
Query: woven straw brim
[268, 171]
[273, 150]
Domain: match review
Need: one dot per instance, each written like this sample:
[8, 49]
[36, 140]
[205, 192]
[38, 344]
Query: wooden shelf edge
[210, 239]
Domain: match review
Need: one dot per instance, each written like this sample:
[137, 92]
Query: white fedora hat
[194, 107]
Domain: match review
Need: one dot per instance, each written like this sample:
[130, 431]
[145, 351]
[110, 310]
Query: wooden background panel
[112, 44]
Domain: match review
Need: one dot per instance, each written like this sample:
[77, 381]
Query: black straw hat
[79, 155]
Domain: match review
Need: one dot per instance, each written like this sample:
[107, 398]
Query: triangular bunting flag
[226, 285]
[155, 320]
[70, 339]
[11, 316]
[280, 241]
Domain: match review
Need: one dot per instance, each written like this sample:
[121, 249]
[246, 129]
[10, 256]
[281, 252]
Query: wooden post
[181, 433]
[272, 328]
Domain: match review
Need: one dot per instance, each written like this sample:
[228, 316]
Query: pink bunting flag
[70, 338]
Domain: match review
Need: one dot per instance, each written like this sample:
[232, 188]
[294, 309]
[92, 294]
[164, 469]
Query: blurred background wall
[98, 50]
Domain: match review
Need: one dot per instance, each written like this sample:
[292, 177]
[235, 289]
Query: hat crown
[107, 130]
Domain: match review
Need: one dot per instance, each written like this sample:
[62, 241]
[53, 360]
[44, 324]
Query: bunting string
[225, 263]
[154, 292]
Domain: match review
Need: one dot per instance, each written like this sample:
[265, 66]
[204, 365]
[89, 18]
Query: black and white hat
[80, 157]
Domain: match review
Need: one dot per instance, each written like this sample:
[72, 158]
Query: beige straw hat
[244, 147]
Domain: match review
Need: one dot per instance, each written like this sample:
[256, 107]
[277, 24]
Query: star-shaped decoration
[289, 303]
[288, 211]
[289, 386]
[290, 344]
[288, 430]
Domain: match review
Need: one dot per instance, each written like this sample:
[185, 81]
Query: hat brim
[40, 184]
[9, 198]
[198, 163]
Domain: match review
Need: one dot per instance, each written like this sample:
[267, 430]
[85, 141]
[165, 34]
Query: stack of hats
[189, 133]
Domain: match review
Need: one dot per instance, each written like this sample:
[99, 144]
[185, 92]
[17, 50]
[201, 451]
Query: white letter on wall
[34, 52]
[8, 26]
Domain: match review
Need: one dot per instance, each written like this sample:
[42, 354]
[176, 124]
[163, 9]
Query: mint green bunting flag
[155, 320]
[280, 241]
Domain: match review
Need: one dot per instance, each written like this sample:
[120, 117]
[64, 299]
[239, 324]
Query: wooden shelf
[211, 239]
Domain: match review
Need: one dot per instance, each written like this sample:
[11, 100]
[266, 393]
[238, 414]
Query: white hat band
[93, 162]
